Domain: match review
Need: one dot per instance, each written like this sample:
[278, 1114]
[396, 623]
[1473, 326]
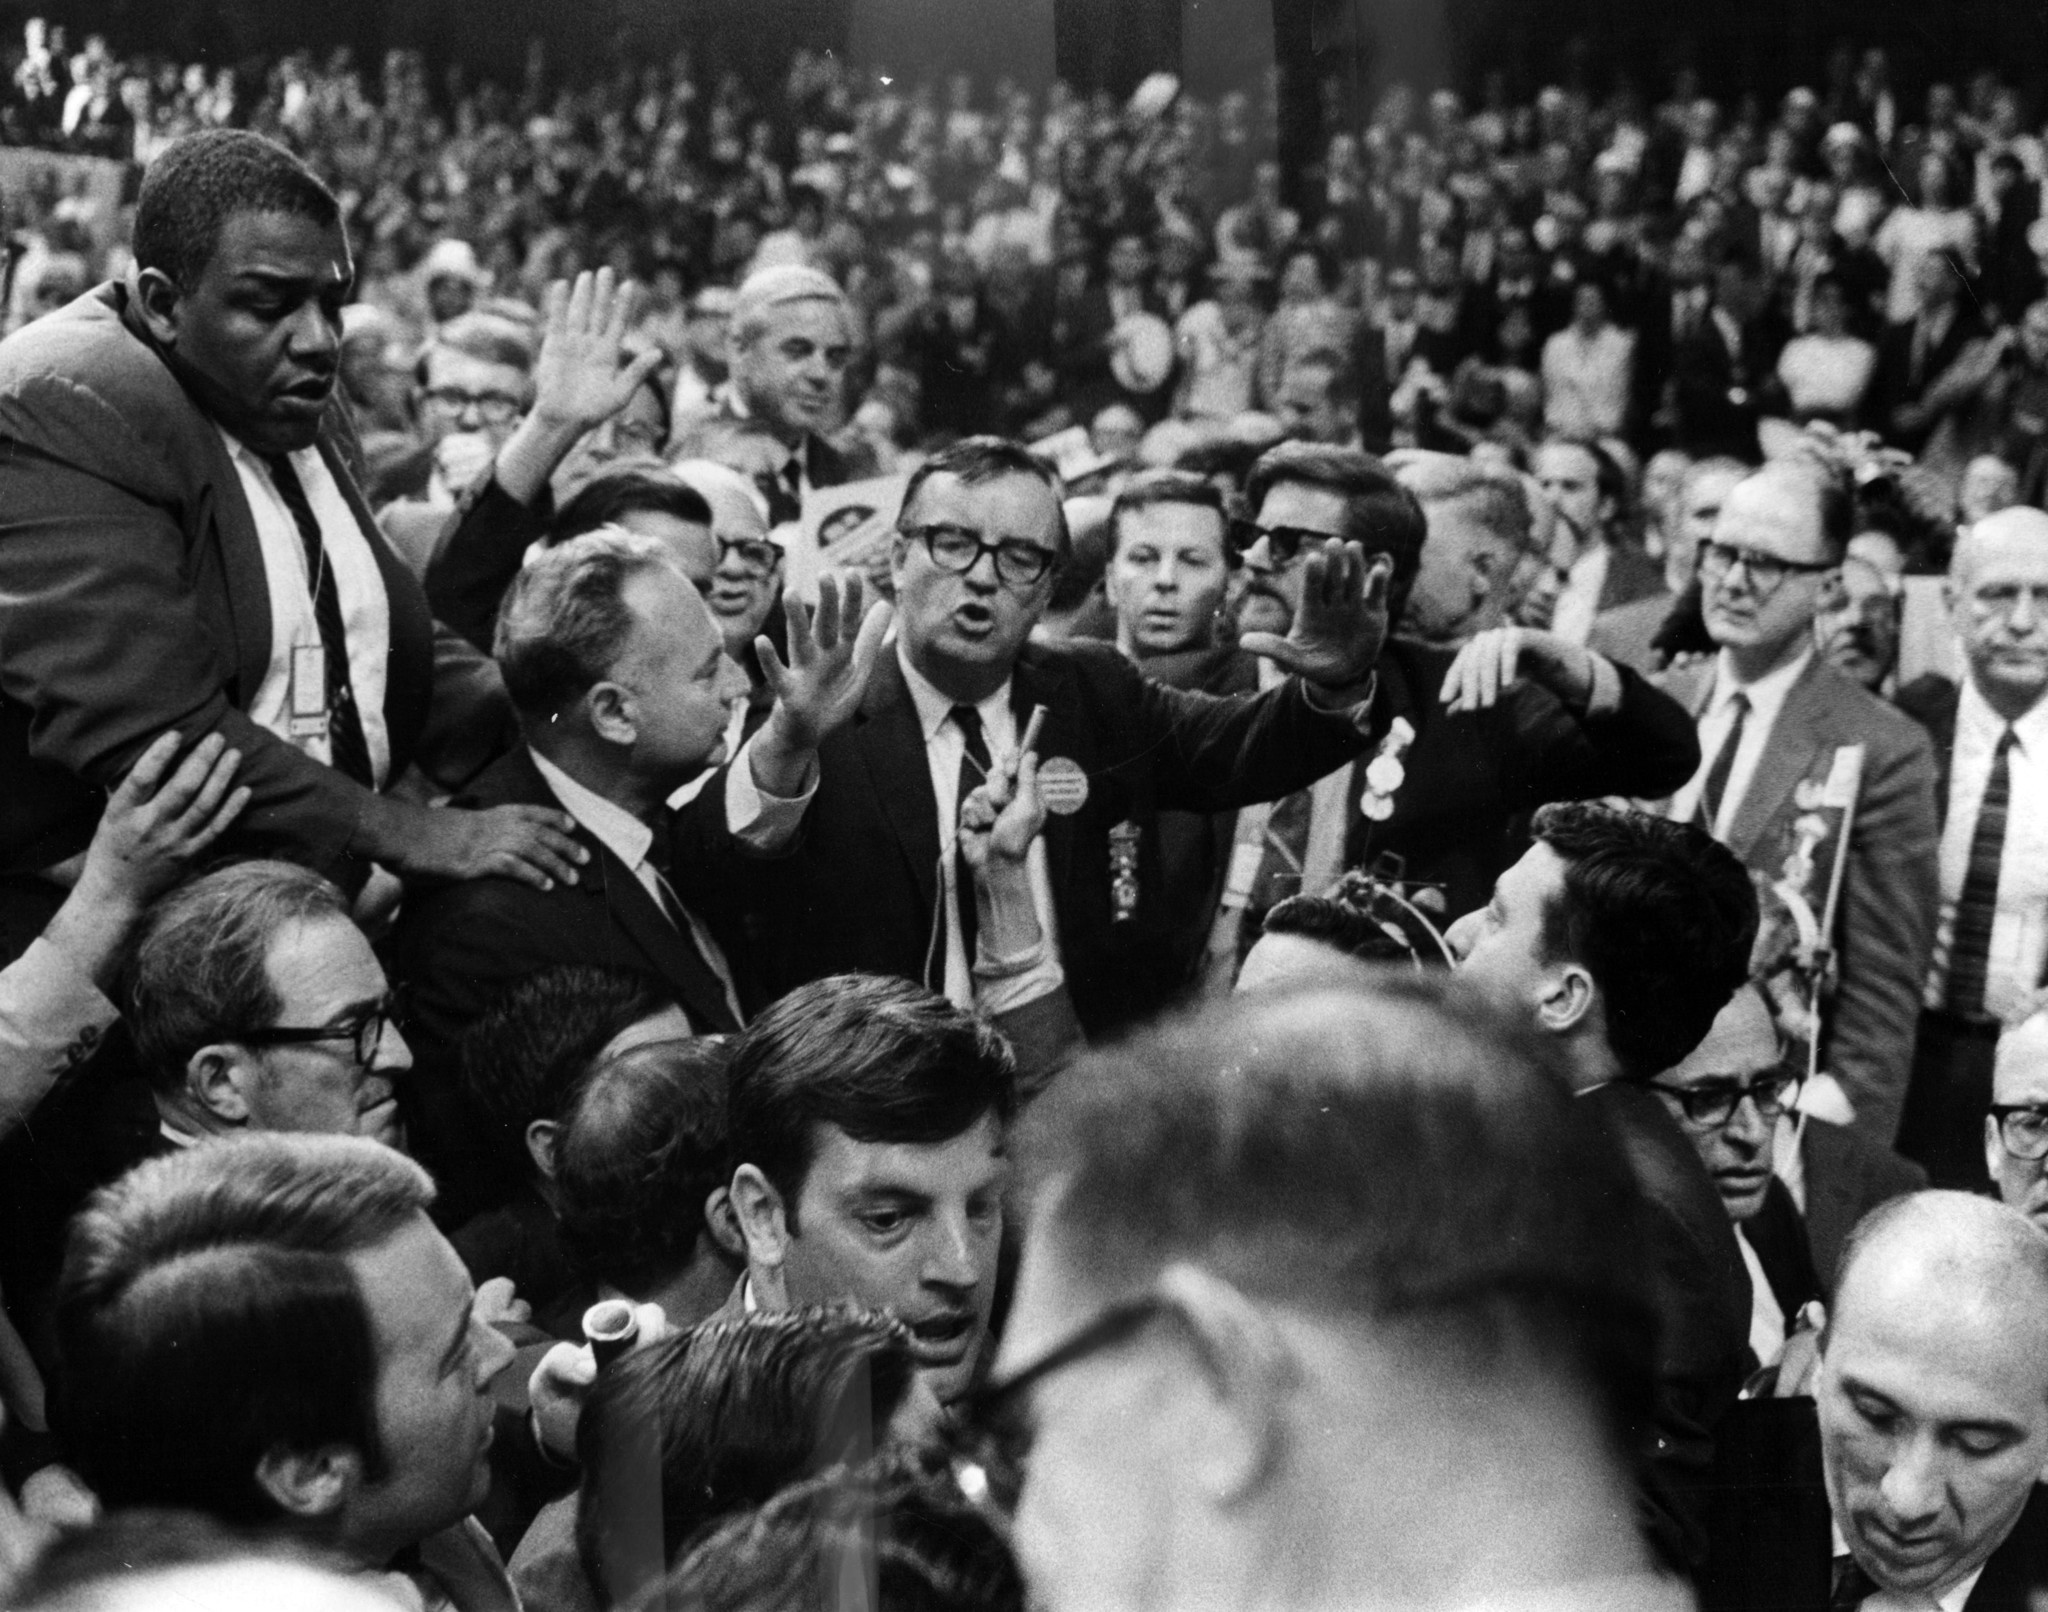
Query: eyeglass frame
[740, 546]
[1049, 559]
[383, 1016]
[2001, 1112]
[1285, 543]
[1789, 1082]
[493, 408]
[1756, 564]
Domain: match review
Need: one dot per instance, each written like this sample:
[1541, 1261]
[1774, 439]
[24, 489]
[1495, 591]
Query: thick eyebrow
[286, 280]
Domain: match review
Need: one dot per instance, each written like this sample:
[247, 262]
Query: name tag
[308, 703]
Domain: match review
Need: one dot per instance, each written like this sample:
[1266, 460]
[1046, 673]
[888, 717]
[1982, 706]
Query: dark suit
[1623, 632]
[459, 947]
[1885, 924]
[1847, 1176]
[1950, 1093]
[137, 603]
[1472, 777]
[1701, 1291]
[1631, 577]
[1898, 380]
[1712, 388]
[824, 466]
[862, 890]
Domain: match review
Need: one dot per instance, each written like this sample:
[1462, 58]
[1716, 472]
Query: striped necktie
[1969, 953]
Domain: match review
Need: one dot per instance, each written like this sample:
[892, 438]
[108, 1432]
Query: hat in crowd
[782, 283]
[453, 260]
[713, 301]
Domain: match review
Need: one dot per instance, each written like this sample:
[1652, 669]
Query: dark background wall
[1768, 43]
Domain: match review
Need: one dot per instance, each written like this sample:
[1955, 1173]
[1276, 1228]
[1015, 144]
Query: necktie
[1850, 1586]
[347, 746]
[786, 494]
[974, 767]
[1724, 763]
[711, 981]
[1969, 954]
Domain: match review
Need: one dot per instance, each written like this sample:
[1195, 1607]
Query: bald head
[1998, 602]
[1975, 1261]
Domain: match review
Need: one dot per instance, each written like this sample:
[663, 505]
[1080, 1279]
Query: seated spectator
[1931, 362]
[868, 1119]
[523, 1062]
[623, 689]
[640, 1169]
[2016, 1128]
[1219, 342]
[1858, 630]
[686, 1431]
[1632, 634]
[270, 1331]
[1989, 484]
[1827, 371]
[1589, 491]
[1620, 937]
[1318, 400]
[912, 1537]
[1240, 1220]
[1588, 370]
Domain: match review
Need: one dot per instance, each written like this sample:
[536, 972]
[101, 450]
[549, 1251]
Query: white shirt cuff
[758, 820]
[1003, 984]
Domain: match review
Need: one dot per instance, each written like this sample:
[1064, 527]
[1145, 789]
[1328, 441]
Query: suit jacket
[862, 890]
[1631, 576]
[137, 602]
[1847, 1176]
[1472, 778]
[1623, 632]
[1778, 1235]
[460, 946]
[1932, 701]
[1893, 382]
[1885, 924]
[824, 466]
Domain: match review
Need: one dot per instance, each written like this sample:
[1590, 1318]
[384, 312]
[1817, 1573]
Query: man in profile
[269, 1331]
[1314, 1224]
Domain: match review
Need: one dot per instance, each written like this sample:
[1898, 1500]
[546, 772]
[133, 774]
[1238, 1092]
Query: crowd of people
[1333, 953]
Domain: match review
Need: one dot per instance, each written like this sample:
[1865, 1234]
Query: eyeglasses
[1284, 543]
[366, 1033]
[2022, 1129]
[1020, 563]
[1712, 1106]
[493, 408]
[991, 1436]
[758, 556]
[1766, 571]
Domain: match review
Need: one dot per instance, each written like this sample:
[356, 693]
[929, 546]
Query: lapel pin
[1062, 785]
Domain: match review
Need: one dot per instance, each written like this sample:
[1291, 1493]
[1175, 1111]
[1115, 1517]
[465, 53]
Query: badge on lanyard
[308, 697]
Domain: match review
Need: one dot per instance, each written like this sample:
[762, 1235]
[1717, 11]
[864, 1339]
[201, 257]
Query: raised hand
[584, 374]
[832, 651]
[1001, 818]
[1340, 623]
[1496, 660]
[156, 827]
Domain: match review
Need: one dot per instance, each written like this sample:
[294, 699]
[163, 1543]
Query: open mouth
[942, 1339]
[972, 620]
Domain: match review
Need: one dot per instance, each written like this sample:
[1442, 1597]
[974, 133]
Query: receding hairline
[1970, 1248]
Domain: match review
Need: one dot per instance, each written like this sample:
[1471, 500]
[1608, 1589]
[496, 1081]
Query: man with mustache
[184, 546]
[1990, 736]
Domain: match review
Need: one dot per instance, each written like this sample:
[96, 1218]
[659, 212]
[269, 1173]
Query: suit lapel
[1038, 682]
[674, 955]
[1784, 762]
[241, 557]
[892, 748]
[411, 648]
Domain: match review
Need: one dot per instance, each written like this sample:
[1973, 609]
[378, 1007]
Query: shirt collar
[1950, 1600]
[934, 709]
[609, 823]
[1976, 720]
[1767, 693]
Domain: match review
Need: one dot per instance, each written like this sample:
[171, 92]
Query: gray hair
[201, 969]
[1496, 498]
[564, 622]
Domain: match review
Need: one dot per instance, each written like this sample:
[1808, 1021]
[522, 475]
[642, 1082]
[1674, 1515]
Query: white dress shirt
[761, 822]
[359, 586]
[1766, 698]
[2019, 932]
[945, 746]
[1578, 601]
[1766, 1315]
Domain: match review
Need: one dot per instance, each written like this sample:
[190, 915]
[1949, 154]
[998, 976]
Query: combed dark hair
[1228, 457]
[736, 1411]
[881, 1059]
[606, 499]
[199, 182]
[207, 1316]
[527, 1054]
[975, 460]
[564, 622]
[1151, 488]
[1395, 1153]
[1380, 515]
[641, 1147]
[1663, 917]
[200, 972]
[910, 1534]
[1336, 924]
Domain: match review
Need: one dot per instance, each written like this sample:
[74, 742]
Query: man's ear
[723, 1222]
[1994, 1155]
[1567, 1001]
[157, 300]
[1239, 1434]
[540, 1147]
[310, 1484]
[611, 712]
[764, 1228]
[218, 1078]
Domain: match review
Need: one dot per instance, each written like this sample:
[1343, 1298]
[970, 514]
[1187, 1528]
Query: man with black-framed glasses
[2016, 1124]
[1791, 752]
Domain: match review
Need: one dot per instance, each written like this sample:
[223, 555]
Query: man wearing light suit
[1779, 732]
